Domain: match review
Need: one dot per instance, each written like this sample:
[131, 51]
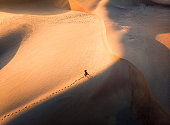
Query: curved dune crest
[52, 49]
[42, 82]
[107, 96]
[61, 4]
[164, 38]
[11, 37]
[134, 33]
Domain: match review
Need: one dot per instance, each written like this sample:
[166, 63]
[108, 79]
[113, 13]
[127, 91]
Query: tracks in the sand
[26, 107]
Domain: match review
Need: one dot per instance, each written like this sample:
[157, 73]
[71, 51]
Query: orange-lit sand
[43, 54]
[164, 38]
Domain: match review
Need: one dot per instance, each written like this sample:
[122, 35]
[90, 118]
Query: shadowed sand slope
[9, 44]
[52, 60]
[107, 98]
[43, 54]
[42, 6]
[92, 4]
[135, 36]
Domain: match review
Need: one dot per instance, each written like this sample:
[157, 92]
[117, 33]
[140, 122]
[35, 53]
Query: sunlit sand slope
[42, 60]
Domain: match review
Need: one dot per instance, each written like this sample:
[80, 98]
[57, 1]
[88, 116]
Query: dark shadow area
[9, 45]
[97, 103]
[153, 3]
[79, 105]
[126, 117]
[44, 7]
[141, 48]
[127, 3]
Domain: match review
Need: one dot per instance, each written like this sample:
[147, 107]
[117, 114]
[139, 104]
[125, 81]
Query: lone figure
[85, 73]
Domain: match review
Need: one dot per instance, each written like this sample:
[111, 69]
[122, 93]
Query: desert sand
[45, 46]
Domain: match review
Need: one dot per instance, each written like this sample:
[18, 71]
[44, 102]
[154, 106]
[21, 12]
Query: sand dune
[43, 55]
[164, 39]
[105, 99]
[44, 7]
[61, 4]
[135, 40]
[57, 69]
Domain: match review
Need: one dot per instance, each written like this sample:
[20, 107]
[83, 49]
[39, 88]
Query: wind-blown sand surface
[44, 51]
[142, 35]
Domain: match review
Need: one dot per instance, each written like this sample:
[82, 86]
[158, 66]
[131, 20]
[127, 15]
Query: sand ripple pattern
[71, 18]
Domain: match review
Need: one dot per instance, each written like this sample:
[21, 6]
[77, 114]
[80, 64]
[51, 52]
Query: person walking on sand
[85, 73]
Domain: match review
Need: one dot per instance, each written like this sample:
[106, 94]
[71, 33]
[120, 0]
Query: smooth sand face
[60, 48]
[136, 34]
[43, 53]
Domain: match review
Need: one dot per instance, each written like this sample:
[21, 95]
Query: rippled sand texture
[46, 45]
